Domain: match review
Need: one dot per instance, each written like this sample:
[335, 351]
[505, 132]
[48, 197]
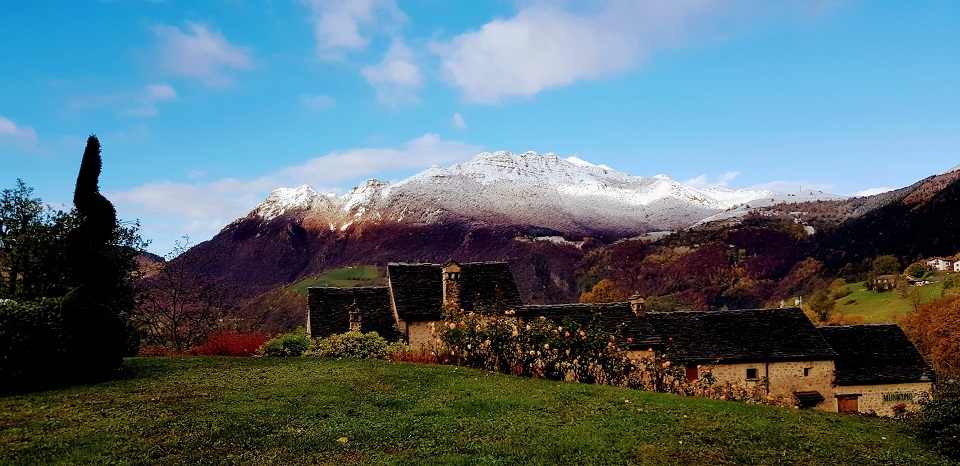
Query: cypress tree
[92, 311]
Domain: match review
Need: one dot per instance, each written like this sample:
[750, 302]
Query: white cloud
[873, 191]
[546, 46]
[318, 103]
[19, 135]
[340, 25]
[200, 53]
[214, 204]
[146, 100]
[458, 121]
[396, 78]
[704, 181]
[787, 187]
[339, 166]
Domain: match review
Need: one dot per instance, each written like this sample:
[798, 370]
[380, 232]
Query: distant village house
[940, 264]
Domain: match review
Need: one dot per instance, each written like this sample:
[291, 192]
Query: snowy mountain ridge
[545, 190]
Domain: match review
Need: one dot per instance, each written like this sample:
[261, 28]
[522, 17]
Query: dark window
[806, 371]
[692, 374]
[752, 373]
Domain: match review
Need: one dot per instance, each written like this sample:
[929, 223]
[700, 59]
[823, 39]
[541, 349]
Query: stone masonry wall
[419, 334]
[873, 400]
[785, 377]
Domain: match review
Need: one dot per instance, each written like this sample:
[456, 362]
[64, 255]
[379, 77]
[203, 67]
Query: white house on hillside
[939, 263]
[956, 266]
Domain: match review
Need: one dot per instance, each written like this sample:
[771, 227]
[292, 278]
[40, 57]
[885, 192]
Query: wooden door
[847, 404]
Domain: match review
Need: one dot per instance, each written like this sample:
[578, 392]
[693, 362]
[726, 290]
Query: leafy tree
[603, 292]
[885, 265]
[20, 216]
[935, 329]
[822, 305]
[951, 285]
[179, 305]
[839, 289]
[939, 420]
[916, 270]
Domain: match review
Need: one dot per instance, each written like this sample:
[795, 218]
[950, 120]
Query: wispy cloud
[705, 181]
[873, 191]
[199, 52]
[146, 100]
[343, 25]
[14, 134]
[787, 187]
[546, 46]
[458, 121]
[396, 78]
[317, 103]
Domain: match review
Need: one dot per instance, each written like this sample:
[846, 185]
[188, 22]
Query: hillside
[481, 209]
[326, 411]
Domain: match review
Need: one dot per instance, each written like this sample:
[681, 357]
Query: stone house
[886, 282]
[412, 300]
[877, 368]
[778, 349]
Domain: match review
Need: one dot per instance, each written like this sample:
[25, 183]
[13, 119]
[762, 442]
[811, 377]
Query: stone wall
[785, 377]
[880, 399]
[419, 334]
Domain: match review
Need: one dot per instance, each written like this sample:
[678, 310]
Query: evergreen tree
[93, 311]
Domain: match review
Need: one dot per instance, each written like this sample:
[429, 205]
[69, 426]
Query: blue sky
[203, 108]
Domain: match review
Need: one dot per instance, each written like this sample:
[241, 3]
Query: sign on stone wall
[898, 397]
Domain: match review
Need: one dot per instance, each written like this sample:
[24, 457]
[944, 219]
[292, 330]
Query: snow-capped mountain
[544, 190]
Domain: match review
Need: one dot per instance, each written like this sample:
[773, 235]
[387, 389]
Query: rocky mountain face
[531, 209]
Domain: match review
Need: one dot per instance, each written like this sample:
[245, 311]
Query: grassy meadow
[254, 411]
[364, 275]
[881, 306]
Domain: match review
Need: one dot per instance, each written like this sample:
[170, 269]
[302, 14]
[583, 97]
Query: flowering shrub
[231, 343]
[536, 348]
[287, 344]
[351, 344]
[573, 352]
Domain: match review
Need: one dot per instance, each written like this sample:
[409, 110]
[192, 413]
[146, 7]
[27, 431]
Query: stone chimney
[637, 304]
[451, 284]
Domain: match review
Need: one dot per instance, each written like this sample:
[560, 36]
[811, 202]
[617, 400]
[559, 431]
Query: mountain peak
[506, 188]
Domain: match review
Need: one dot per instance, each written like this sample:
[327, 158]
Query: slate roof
[617, 318]
[875, 354]
[739, 336]
[488, 284]
[418, 288]
[330, 310]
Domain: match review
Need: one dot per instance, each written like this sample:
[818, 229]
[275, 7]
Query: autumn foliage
[935, 329]
[231, 343]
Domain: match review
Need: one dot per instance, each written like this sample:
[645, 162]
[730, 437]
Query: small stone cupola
[356, 318]
[637, 304]
[451, 284]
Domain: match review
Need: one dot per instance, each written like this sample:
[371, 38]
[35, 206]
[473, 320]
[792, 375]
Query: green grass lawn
[364, 275]
[325, 411]
[881, 306]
